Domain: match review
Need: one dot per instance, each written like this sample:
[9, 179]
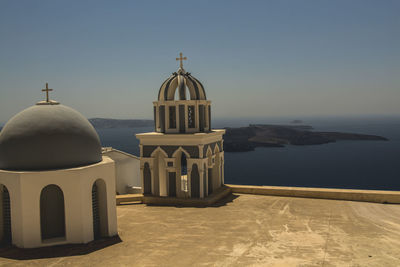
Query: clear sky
[255, 58]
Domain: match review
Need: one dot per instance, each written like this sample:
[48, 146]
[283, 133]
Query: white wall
[76, 183]
[127, 170]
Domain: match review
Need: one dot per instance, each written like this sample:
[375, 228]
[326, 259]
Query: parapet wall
[377, 196]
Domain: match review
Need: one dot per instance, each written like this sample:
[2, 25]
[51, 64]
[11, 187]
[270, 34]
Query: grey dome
[181, 80]
[45, 137]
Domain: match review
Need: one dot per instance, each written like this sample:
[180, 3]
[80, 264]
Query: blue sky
[255, 58]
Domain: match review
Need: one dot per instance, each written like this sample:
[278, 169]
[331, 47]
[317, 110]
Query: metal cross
[180, 58]
[47, 90]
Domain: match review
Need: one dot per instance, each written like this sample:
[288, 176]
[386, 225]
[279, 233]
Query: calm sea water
[344, 164]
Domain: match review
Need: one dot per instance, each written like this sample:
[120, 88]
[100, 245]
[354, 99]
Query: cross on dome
[47, 90]
[47, 101]
[180, 58]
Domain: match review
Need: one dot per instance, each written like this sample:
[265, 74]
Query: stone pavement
[242, 230]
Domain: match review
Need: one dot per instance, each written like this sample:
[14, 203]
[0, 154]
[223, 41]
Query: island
[265, 135]
[101, 123]
[296, 121]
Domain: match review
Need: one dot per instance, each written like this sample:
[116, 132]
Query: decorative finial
[180, 58]
[48, 101]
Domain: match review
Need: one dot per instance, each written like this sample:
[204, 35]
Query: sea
[343, 164]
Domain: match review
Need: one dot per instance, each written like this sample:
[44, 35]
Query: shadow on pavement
[15, 253]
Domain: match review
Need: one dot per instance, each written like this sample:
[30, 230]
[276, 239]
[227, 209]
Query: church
[184, 156]
[56, 187]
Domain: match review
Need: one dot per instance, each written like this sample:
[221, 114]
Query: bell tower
[184, 156]
[189, 113]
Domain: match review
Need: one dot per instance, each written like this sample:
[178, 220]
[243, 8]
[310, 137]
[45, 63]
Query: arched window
[99, 209]
[210, 181]
[181, 93]
[195, 182]
[146, 179]
[5, 216]
[172, 117]
[183, 164]
[52, 212]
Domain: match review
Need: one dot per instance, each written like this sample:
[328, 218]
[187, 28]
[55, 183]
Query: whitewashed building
[127, 171]
[55, 185]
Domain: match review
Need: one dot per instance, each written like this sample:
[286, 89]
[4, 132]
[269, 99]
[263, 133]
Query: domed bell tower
[189, 113]
[184, 156]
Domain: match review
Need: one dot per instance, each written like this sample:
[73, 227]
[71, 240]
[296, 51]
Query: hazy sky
[255, 58]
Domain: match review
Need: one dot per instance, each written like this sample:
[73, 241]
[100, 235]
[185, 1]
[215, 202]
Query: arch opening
[146, 179]
[99, 209]
[195, 182]
[52, 212]
[172, 117]
[180, 88]
[181, 93]
[184, 183]
[5, 216]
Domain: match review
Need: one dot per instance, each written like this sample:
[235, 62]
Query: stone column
[201, 148]
[201, 180]
[186, 119]
[142, 174]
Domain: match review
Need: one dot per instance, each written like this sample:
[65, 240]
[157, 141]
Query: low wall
[129, 199]
[377, 196]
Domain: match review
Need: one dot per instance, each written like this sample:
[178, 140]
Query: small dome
[181, 80]
[45, 137]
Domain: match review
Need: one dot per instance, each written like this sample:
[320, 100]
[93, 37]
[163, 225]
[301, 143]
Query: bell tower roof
[181, 80]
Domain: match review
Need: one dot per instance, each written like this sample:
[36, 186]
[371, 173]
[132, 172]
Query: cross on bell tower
[47, 90]
[180, 58]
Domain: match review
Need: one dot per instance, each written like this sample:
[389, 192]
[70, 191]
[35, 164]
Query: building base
[211, 199]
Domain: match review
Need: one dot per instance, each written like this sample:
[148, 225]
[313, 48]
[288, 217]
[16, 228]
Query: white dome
[45, 137]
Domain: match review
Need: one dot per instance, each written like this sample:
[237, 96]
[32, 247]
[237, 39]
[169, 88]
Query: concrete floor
[243, 230]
